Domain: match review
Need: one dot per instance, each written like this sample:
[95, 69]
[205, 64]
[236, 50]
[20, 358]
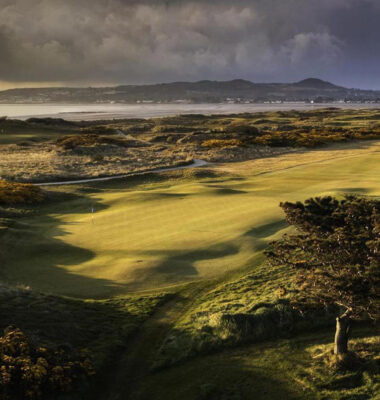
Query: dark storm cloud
[125, 41]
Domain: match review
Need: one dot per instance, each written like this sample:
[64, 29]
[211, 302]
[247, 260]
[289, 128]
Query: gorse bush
[12, 193]
[31, 372]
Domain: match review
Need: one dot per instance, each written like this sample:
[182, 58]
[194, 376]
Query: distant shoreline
[91, 112]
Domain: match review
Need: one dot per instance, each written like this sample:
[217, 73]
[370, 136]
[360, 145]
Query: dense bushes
[31, 372]
[19, 193]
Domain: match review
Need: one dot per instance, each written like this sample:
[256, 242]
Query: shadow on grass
[357, 144]
[216, 377]
[34, 255]
[179, 266]
[266, 230]
[168, 178]
[353, 190]
[221, 190]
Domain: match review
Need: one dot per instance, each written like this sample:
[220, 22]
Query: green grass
[16, 132]
[174, 230]
[287, 369]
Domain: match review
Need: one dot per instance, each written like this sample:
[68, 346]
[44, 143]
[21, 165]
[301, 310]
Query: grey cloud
[125, 41]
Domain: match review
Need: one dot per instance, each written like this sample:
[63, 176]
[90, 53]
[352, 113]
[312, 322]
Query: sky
[109, 42]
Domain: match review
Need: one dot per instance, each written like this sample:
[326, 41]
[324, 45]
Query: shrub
[242, 129]
[19, 193]
[172, 129]
[220, 143]
[31, 372]
[97, 157]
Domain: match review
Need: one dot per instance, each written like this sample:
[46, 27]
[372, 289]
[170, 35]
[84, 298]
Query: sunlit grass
[171, 231]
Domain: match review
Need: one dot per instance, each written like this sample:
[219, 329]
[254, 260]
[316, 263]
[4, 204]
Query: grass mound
[19, 193]
[254, 308]
[71, 142]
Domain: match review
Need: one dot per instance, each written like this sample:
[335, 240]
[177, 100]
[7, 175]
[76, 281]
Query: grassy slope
[286, 369]
[101, 329]
[170, 231]
[13, 132]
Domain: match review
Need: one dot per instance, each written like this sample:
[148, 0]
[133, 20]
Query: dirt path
[135, 363]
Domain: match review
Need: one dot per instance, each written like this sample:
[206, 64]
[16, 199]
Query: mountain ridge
[209, 91]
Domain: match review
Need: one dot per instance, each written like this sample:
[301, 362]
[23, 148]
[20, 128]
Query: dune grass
[158, 231]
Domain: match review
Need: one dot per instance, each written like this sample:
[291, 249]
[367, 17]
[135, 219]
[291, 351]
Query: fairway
[169, 231]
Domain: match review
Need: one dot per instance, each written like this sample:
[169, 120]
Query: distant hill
[237, 90]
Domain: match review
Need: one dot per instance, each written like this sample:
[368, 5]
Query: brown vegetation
[19, 193]
[70, 142]
[313, 137]
[220, 143]
[46, 149]
[31, 372]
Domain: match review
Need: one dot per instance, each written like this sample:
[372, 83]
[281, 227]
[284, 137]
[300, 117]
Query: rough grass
[100, 328]
[219, 143]
[253, 308]
[73, 141]
[48, 162]
[297, 368]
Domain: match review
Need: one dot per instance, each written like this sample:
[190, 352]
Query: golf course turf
[153, 232]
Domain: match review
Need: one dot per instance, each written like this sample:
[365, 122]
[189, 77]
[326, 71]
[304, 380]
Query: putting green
[163, 233]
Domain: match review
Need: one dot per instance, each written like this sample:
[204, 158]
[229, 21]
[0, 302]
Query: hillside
[237, 90]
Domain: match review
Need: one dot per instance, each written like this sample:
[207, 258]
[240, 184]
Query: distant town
[237, 91]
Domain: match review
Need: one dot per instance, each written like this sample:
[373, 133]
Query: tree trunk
[342, 331]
